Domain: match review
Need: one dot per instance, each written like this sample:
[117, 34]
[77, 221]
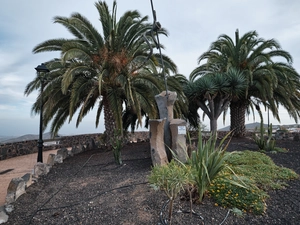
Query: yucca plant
[207, 161]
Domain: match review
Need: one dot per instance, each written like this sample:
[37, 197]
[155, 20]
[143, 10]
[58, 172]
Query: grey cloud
[193, 25]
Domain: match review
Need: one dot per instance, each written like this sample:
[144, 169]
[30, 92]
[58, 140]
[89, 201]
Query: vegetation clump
[237, 180]
[259, 173]
[171, 179]
[265, 140]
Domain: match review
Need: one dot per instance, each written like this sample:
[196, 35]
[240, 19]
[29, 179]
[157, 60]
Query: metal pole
[268, 121]
[41, 69]
[163, 66]
[40, 141]
[155, 26]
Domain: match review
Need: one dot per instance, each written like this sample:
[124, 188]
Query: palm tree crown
[269, 82]
[111, 70]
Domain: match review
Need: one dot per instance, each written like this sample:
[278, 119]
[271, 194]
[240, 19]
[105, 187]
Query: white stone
[10, 198]
[58, 159]
[70, 153]
[50, 160]
[41, 169]
[3, 216]
[63, 152]
[15, 189]
[27, 179]
[9, 208]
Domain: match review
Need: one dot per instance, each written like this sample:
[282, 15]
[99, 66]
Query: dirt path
[17, 167]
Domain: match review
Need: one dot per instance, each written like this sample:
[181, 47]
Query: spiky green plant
[265, 140]
[207, 161]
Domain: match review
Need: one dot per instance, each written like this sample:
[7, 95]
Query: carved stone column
[157, 145]
[165, 105]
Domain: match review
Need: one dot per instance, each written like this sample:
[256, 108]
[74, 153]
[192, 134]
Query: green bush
[171, 179]
[260, 168]
[226, 194]
[258, 173]
[238, 180]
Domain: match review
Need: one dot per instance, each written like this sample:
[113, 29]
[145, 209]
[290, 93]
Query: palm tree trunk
[237, 118]
[109, 120]
[213, 125]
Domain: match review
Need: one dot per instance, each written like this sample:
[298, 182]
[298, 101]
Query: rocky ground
[90, 188]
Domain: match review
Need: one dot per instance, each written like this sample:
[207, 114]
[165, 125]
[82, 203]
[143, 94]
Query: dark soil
[90, 188]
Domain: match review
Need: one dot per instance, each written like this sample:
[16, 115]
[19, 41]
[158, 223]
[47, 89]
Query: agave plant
[207, 161]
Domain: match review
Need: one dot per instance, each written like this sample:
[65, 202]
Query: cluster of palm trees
[114, 72]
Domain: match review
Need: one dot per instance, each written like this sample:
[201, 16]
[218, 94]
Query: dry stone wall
[10, 150]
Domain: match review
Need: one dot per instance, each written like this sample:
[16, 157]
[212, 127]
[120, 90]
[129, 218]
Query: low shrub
[258, 173]
[171, 179]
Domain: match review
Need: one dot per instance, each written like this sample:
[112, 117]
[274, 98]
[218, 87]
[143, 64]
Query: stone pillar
[178, 133]
[157, 145]
[165, 106]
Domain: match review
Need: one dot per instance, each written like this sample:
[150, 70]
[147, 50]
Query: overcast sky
[192, 25]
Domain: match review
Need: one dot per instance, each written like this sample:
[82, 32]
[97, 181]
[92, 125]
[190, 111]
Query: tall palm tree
[109, 69]
[271, 79]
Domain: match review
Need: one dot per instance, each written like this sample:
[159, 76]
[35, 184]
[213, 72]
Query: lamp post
[269, 121]
[41, 69]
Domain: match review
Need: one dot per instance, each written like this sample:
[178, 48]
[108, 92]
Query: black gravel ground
[90, 188]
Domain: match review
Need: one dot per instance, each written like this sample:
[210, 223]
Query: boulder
[77, 149]
[70, 153]
[27, 179]
[50, 160]
[91, 144]
[8, 208]
[3, 215]
[58, 158]
[10, 198]
[41, 169]
[63, 152]
[15, 189]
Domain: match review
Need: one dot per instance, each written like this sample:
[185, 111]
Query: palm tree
[109, 69]
[269, 82]
[213, 93]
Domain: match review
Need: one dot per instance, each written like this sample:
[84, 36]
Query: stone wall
[10, 150]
